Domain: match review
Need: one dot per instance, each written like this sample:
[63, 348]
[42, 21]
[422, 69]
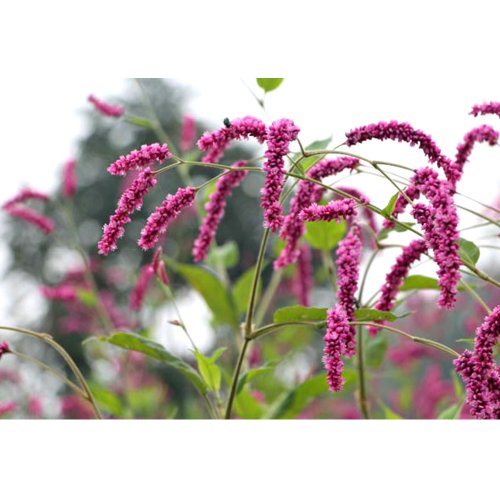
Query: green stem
[272, 327]
[268, 296]
[363, 400]
[236, 376]
[475, 296]
[329, 266]
[365, 275]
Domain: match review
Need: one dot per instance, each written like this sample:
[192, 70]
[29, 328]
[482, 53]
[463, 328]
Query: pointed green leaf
[209, 371]
[324, 235]
[247, 406]
[375, 351]
[468, 252]
[299, 313]
[269, 84]
[419, 282]
[389, 208]
[365, 314]
[242, 289]
[251, 375]
[452, 412]
[139, 121]
[227, 254]
[388, 413]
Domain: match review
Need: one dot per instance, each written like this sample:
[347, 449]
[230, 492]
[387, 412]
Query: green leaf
[139, 121]
[299, 313]
[389, 208]
[209, 286]
[451, 413]
[365, 314]
[384, 232]
[227, 254]
[86, 297]
[247, 406]
[388, 413]
[269, 84]
[209, 371]
[107, 399]
[419, 282]
[134, 342]
[242, 289]
[375, 351]
[251, 375]
[468, 252]
[324, 235]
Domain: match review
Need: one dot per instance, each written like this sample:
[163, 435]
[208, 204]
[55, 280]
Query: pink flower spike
[215, 143]
[281, 134]
[303, 281]
[7, 407]
[158, 221]
[487, 108]
[480, 372]
[69, 179]
[188, 133]
[143, 281]
[130, 201]
[368, 214]
[155, 262]
[4, 348]
[43, 223]
[215, 209]
[63, 293]
[35, 408]
[335, 210]
[138, 159]
[24, 195]
[114, 111]
[162, 273]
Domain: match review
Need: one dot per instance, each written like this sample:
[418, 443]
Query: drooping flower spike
[159, 220]
[307, 193]
[394, 279]
[45, 224]
[25, 195]
[302, 283]
[62, 293]
[139, 291]
[130, 201]
[401, 132]
[281, 134]
[335, 210]
[113, 110]
[188, 133]
[215, 143]
[215, 210]
[69, 179]
[480, 372]
[487, 108]
[367, 213]
[139, 159]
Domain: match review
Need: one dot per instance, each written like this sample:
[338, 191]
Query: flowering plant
[306, 218]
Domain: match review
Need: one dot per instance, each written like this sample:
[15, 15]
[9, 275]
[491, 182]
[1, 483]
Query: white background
[346, 64]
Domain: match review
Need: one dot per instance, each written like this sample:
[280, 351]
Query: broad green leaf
[247, 406]
[209, 286]
[86, 297]
[300, 313]
[242, 289]
[227, 254]
[468, 252]
[375, 351]
[269, 84]
[143, 401]
[107, 400]
[134, 342]
[419, 282]
[251, 375]
[209, 371]
[389, 208]
[365, 314]
[324, 235]
[388, 413]
[452, 412]
[139, 121]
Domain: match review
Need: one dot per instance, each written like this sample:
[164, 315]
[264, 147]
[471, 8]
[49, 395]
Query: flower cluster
[215, 143]
[487, 108]
[112, 110]
[281, 133]
[335, 210]
[69, 179]
[303, 280]
[480, 372]
[130, 201]
[158, 221]
[307, 193]
[215, 210]
[4, 348]
[367, 213]
[188, 133]
[138, 159]
[394, 279]
[139, 291]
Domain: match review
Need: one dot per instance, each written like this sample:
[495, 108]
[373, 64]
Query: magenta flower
[487, 108]
[307, 193]
[303, 280]
[63, 293]
[138, 159]
[69, 179]
[188, 133]
[24, 195]
[106, 109]
[35, 408]
[215, 210]
[162, 273]
[158, 221]
[281, 133]
[484, 133]
[396, 276]
[45, 224]
[401, 132]
[338, 336]
[130, 201]
[215, 143]
[335, 210]
[139, 291]
[348, 259]
[4, 348]
[480, 372]
[7, 407]
[368, 214]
